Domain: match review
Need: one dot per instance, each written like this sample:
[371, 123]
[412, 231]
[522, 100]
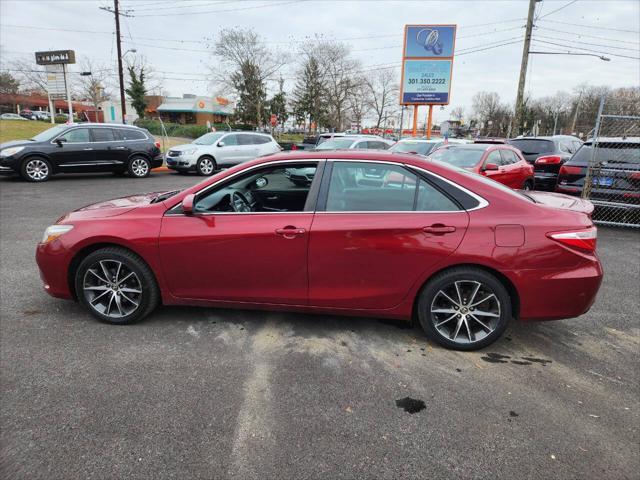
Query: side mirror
[221, 143]
[490, 166]
[60, 141]
[187, 204]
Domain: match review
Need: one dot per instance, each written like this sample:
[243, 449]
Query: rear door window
[246, 139]
[102, 135]
[130, 134]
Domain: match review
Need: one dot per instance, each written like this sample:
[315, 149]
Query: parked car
[423, 146]
[547, 155]
[499, 162]
[491, 140]
[375, 234]
[11, 116]
[371, 142]
[42, 115]
[28, 114]
[74, 148]
[615, 179]
[307, 143]
[220, 149]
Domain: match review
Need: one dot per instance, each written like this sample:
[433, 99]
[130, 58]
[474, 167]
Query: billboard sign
[426, 82]
[429, 41]
[427, 64]
[55, 81]
[56, 57]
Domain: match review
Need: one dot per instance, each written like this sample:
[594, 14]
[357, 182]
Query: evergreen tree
[137, 90]
[251, 93]
[309, 94]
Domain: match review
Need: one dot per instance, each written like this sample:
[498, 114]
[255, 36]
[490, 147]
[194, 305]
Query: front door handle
[87, 149]
[439, 229]
[290, 231]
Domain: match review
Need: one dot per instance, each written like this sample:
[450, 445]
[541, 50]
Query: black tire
[35, 169]
[528, 185]
[147, 300]
[206, 166]
[477, 336]
[139, 167]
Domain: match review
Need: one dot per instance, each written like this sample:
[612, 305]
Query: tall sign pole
[66, 87]
[523, 66]
[427, 66]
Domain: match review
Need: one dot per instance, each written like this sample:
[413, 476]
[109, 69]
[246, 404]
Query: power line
[179, 6]
[557, 9]
[592, 26]
[588, 50]
[637, 42]
[221, 11]
[587, 43]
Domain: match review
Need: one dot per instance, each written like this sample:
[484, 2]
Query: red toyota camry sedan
[500, 162]
[369, 233]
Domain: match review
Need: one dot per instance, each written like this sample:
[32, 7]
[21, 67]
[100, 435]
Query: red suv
[499, 162]
[372, 234]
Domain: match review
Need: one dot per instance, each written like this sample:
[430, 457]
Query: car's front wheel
[464, 308]
[36, 169]
[205, 166]
[116, 286]
[139, 167]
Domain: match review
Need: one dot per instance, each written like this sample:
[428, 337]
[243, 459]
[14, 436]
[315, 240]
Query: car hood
[559, 200]
[16, 143]
[186, 146]
[113, 207]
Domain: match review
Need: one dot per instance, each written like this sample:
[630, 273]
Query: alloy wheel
[37, 169]
[112, 289]
[206, 166]
[139, 167]
[465, 311]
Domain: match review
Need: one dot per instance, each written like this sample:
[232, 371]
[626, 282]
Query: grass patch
[21, 130]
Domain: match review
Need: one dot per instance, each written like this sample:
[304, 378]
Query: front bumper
[5, 170]
[53, 262]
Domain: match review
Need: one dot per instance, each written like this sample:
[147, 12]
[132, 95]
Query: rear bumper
[557, 294]
[545, 181]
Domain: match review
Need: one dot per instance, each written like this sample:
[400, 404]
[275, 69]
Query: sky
[176, 36]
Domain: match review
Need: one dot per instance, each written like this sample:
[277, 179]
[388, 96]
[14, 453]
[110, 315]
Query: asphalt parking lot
[204, 393]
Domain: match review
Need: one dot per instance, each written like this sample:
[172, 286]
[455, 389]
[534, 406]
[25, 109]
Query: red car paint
[515, 175]
[368, 264]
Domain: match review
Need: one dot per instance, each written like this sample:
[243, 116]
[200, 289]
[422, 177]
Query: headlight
[54, 231]
[190, 151]
[7, 152]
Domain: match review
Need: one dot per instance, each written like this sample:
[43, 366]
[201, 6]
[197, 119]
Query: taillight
[548, 160]
[294, 147]
[565, 170]
[635, 176]
[158, 144]
[583, 240]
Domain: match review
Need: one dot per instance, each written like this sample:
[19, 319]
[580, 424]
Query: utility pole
[575, 116]
[523, 66]
[116, 11]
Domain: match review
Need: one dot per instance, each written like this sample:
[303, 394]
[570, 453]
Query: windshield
[459, 157]
[208, 139]
[612, 153]
[531, 146]
[49, 133]
[336, 143]
[421, 148]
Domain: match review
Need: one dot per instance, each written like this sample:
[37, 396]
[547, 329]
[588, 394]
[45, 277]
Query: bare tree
[360, 103]
[457, 113]
[94, 87]
[32, 77]
[491, 113]
[383, 92]
[338, 69]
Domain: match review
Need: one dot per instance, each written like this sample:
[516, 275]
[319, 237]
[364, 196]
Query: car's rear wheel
[36, 169]
[139, 167]
[464, 308]
[206, 166]
[528, 185]
[116, 286]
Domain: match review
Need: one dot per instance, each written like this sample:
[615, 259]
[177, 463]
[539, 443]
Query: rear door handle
[87, 149]
[290, 231]
[439, 229]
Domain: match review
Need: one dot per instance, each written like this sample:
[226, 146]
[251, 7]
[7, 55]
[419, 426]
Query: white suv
[221, 149]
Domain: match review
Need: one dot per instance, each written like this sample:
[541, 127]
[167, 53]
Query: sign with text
[55, 81]
[56, 57]
[426, 82]
[427, 64]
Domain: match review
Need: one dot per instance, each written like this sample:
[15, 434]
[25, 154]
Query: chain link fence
[612, 156]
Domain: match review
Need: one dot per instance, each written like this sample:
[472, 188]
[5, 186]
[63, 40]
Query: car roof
[477, 146]
[97, 124]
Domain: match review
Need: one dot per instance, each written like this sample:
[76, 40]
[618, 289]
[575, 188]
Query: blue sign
[435, 41]
[426, 82]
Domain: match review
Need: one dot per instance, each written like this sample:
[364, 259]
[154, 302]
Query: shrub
[186, 131]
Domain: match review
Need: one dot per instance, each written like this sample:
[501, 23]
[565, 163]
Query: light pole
[601, 57]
